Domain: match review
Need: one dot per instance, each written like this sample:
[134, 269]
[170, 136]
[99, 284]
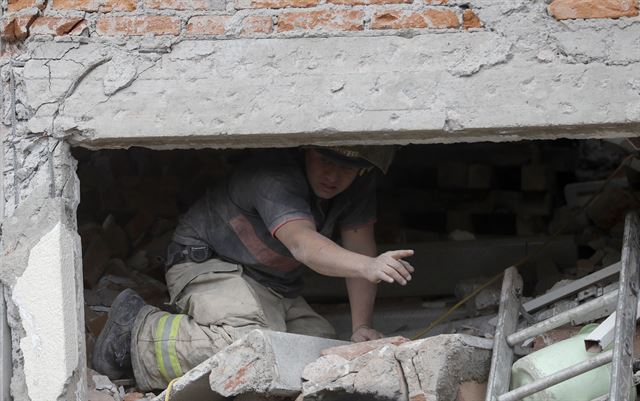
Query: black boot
[112, 352]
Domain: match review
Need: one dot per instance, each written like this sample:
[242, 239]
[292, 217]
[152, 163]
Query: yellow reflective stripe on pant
[166, 356]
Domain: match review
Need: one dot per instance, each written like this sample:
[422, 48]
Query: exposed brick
[256, 24]
[159, 25]
[17, 27]
[17, 5]
[339, 20]
[471, 20]
[118, 5]
[240, 4]
[53, 25]
[406, 19]
[95, 5]
[207, 25]
[368, 2]
[585, 9]
[177, 4]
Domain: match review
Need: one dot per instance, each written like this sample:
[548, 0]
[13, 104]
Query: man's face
[327, 178]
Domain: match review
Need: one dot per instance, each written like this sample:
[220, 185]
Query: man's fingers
[400, 267]
[407, 266]
[400, 253]
[385, 277]
[397, 277]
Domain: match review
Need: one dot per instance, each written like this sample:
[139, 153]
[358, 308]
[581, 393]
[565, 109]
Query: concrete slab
[5, 350]
[265, 362]
[268, 363]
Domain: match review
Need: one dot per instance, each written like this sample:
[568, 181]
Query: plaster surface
[537, 78]
[45, 298]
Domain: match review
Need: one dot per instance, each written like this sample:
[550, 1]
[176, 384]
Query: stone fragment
[584, 9]
[435, 367]
[16, 27]
[53, 25]
[471, 20]
[265, 362]
[373, 375]
[352, 351]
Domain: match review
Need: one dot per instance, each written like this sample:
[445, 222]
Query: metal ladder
[621, 356]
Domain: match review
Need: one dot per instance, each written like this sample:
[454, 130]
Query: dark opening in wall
[468, 210]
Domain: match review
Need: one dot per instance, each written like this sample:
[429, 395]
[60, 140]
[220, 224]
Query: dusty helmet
[362, 156]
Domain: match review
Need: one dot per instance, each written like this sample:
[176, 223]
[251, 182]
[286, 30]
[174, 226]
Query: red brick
[352, 351]
[207, 25]
[118, 5]
[339, 20]
[17, 27]
[368, 2]
[406, 19]
[17, 5]
[585, 9]
[240, 4]
[177, 4]
[256, 24]
[53, 25]
[471, 20]
[158, 25]
[95, 5]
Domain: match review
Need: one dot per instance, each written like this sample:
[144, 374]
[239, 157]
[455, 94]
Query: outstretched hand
[365, 333]
[390, 267]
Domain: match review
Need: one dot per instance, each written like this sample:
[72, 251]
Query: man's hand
[390, 267]
[365, 333]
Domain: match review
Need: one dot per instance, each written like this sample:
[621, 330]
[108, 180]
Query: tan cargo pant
[218, 305]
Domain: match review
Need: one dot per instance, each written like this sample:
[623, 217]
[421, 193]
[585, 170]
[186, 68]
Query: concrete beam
[539, 78]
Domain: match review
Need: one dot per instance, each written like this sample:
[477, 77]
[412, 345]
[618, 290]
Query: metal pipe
[608, 300]
[558, 377]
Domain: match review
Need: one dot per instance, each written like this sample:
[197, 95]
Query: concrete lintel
[530, 80]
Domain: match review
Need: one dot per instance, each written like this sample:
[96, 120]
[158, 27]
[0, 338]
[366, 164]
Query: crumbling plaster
[525, 75]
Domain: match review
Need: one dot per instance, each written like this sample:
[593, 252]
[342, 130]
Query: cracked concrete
[533, 79]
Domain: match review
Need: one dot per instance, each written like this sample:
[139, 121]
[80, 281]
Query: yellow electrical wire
[167, 392]
[522, 261]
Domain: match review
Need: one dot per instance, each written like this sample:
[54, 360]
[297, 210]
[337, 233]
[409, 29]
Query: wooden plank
[502, 358]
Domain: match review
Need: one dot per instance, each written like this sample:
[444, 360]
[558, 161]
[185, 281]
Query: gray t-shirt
[237, 219]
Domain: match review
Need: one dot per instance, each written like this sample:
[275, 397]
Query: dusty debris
[432, 369]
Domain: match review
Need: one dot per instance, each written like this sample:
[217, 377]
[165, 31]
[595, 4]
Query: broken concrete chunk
[265, 362]
[435, 367]
[374, 375]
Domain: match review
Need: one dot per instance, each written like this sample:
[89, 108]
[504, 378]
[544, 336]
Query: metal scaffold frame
[621, 356]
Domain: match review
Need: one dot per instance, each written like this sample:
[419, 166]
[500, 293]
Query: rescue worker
[237, 259]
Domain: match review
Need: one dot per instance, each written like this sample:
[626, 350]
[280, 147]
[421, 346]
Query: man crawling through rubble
[238, 255]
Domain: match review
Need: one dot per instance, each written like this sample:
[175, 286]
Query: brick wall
[261, 18]
[256, 18]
